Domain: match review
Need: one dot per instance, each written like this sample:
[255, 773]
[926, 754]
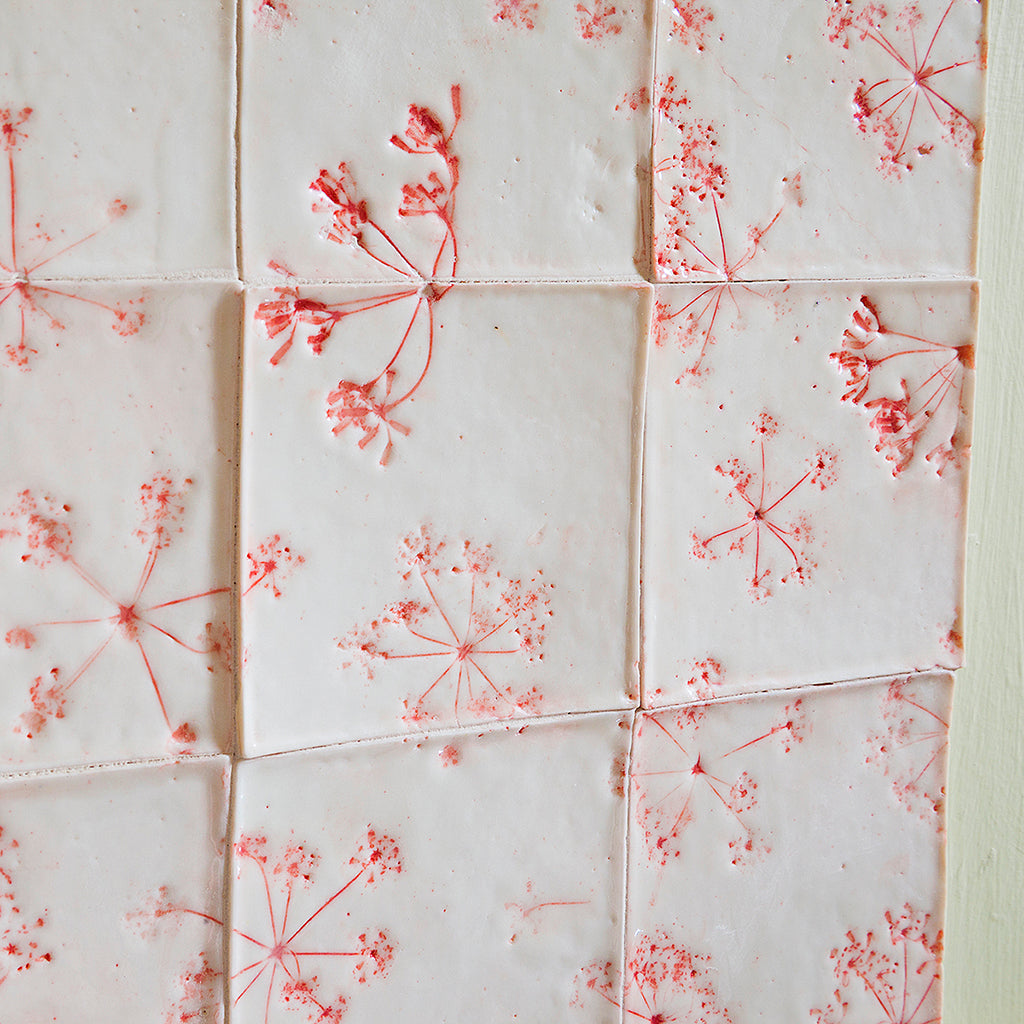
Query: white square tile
[117, 139]
[110, 889]
[805, 484]
[115, 532]
[425, 879]
[461, 538]
[451, 140]
[772, 855]
[805, 140]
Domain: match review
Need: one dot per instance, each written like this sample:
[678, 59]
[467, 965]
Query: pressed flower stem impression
[19, 263]
[367, 408]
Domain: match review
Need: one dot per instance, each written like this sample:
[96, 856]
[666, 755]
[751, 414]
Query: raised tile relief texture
[513, 455]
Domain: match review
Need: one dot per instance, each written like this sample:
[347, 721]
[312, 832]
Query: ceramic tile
[483, 140]
[116, 127]
[786, 857]
[805, 480]
[115, 530]
[453, 541]
[838, 139]
[96, 872]
[422, 880]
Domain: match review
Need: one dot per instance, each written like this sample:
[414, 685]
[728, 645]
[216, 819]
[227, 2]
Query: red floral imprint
[665, 982]
[763, 513]
[690, 22]
[23, 259]
[920, 60]
[894, 971]
[365, 409]
[533, 911]
[911, 751]
[515, 13]
[934, 412]
[41, 526]
[702, 684]
[691, 199]
[19, 943]
[270, 563]
[282, 959]
[598, 21]
[270, 15]
[676, 778]
[464, 617]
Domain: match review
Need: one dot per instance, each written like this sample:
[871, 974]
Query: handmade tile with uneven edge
[470, 140]
[423, 879]
[116, 489]
[110, 888]
[839, 139]
[805, 483]
[116, 132]
[452, 541]
[786, 857]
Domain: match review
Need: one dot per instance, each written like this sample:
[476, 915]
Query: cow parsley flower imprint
[763, 509]
[677, 776]
[20, 949]
[916, 389]
[468, 625]
[364, 408]
[296, 965]
[41, 526]
[22, 296]
[890, 976]
[908, 106]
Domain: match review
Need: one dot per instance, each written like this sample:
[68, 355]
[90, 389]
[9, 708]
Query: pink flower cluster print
[690, 23]
[915, 390]
[297, 960]
[41, 528]
[679, 775]
[20, 948]
[910, 64]
[467, 624]
[366, 409]
[888, 976]
[515, 13]
[22, 299]
[692, 204]
[911, 750]
[664, 982]
[769, 522]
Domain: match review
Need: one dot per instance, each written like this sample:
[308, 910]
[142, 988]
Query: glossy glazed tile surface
[786, 850]
[115, 531]
[421, 879]
[117, 140]
[106, 878]
[487, 471]
[483, 139]
[805, 484]
[801, 140]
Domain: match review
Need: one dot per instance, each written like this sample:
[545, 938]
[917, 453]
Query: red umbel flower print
[39, 525]
[597, 19]
[270, 563]
[691, 200]
[363, 408]
[763, 512]
[689, 23]
[705, 677]
[514, 13]
[911, 750]
[270, 15]
[890, 976]
[23, 259]
[918, 59]
[20, 950]
[533, 912]
[461, 615]
[286, 955]
[676, 778]
[665, 982]
[881, 365]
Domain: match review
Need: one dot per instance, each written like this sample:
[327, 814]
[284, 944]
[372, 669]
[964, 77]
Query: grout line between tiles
[627, 844]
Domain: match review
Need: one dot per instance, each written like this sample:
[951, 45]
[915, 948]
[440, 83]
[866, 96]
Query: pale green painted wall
[985, 915]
